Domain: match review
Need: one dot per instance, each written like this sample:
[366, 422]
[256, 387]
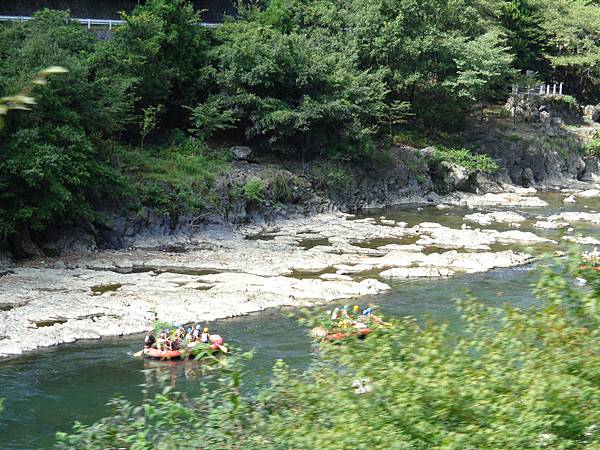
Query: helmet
[188, 330]
[356, 308]
[345, 308]
[206, 329]
[198, 327]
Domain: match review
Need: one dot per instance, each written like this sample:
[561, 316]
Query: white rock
[343, 269]
[570, 199]
[335, 276]
[402, 248]
[576, 217]
[522, 237]
[416, 272]
[497, 216]
[550, 225]
[588, 240]
[430, 225]
[590, 193]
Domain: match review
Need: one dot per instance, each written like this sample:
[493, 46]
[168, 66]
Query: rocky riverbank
[300, 261]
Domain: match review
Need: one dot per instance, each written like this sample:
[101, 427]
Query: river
[47, 390]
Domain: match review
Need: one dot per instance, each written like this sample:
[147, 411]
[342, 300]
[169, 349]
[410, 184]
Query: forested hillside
[214, 10]
[147, 114]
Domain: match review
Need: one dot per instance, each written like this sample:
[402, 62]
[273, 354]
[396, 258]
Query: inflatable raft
[175, 355]
[361, 333]
[321, 334]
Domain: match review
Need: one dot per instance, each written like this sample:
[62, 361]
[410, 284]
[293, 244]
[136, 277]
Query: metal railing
[110, 23]
[545, 89]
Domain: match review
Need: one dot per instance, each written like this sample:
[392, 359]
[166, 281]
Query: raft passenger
[196, 332]
[205, 337]
[149, 340]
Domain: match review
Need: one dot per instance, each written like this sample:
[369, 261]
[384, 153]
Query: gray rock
[241, 153]
[527, 177]
[427, 151]
[456, 177]
[595, 116]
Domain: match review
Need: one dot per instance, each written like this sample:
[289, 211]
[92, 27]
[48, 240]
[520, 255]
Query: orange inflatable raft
[174, 355]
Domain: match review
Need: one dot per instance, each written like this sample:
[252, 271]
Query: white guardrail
[110, 23]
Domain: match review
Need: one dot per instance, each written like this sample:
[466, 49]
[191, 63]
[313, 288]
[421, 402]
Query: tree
[290, 91]
[574, 45]
[441, 57]
[526, 35]
[51, 165]
[163, 50]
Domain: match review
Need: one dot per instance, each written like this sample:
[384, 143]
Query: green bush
[509, 379]
[281, 188]
[52, 164]
[293, 92]
[465, 158]
[173, 179]
[253, 191]
[331, 175]
[592, 149]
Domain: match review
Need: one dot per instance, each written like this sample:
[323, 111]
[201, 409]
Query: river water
[47, 390]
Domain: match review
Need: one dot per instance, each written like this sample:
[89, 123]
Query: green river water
[46, 391]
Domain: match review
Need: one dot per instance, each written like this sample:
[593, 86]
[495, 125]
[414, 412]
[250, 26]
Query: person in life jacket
[205, 337]
[177, 335]
[344, 314]
[149, 340]
[196, 332]
[188, 335]
[335, 314]
[161, 342]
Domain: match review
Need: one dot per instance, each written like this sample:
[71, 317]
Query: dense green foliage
[465, 158]
[592, 148]
[513, 379]
[51, 164]
[331, 79]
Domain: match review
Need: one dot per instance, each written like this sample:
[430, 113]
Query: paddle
[138, 354]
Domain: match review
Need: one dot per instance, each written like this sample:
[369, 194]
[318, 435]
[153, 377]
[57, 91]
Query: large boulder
[241, 153]
[455, 176]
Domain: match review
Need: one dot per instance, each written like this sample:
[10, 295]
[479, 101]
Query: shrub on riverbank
[175, 179]
[465, 158]
[513, 378]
